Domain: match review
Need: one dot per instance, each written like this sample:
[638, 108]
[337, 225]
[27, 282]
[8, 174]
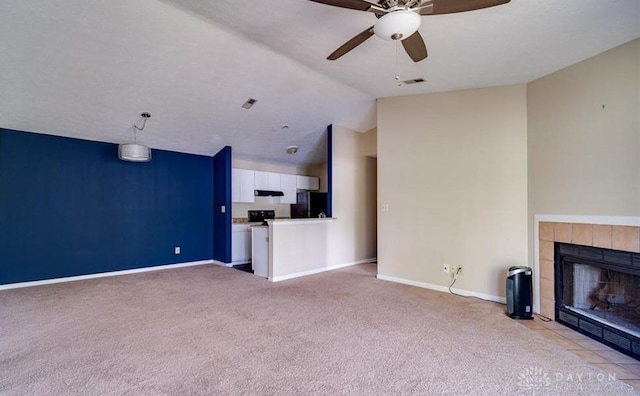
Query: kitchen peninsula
[294, 247]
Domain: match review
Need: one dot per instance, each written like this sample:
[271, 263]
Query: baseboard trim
[222, 263]
[431, 286]
[319, 270]
[103, 274]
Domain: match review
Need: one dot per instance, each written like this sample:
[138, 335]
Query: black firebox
[597, 292]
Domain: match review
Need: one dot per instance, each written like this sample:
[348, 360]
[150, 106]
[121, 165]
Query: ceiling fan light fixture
[397, 25]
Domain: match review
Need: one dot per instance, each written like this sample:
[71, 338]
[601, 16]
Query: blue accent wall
[330, 171]
[222, 197]
[71, 207]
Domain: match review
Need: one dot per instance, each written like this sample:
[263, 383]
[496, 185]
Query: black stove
[256, 216]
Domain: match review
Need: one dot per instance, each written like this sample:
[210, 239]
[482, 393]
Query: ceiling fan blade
[438, 7]
[360, 5]
[415, 47]
[351, 44]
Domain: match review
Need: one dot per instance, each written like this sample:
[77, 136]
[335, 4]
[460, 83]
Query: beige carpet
[215, 330]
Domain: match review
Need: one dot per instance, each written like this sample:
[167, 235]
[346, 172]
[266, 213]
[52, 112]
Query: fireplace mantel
[609, 232]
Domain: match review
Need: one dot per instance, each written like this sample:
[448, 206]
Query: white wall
[453, 169]
[298, 247]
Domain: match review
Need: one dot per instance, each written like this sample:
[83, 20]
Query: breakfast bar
[294, 247]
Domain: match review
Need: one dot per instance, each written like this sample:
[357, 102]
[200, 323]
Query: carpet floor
[216, 330]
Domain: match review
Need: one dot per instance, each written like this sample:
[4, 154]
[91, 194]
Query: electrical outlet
[454, 269]
[176, 250]
[445, 268]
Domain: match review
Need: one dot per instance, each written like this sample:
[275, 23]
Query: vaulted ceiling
[88, 68]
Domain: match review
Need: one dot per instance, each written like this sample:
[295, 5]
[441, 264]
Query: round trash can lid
[516, 269]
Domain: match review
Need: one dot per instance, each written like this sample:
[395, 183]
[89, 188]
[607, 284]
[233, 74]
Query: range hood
[268, 193]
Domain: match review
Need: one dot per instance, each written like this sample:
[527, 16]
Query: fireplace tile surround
[618, 237]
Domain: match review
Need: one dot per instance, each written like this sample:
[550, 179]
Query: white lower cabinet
[240, 244]
[260, 251]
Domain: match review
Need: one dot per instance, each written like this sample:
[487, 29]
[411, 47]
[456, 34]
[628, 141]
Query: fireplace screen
[603, 294]
[598, 294]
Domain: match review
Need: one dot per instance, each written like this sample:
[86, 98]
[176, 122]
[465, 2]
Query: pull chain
[398, 83]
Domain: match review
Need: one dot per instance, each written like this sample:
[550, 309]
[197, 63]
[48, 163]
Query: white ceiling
[88, 68]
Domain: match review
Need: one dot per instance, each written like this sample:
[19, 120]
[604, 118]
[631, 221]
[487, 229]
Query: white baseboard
[319, 270]
[431, 286]
[103, 274]
[222, 263]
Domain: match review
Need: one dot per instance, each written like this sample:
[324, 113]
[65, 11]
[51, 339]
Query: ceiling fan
[400, 20]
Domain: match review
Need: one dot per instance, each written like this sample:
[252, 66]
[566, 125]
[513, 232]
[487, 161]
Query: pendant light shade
[134, 152]
[397, 25]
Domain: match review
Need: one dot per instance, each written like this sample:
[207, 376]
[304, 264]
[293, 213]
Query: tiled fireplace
[596, 280]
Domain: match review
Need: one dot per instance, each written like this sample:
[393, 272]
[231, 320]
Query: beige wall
[352, 236]
[268, 167]
[319, 171]
[584, 137]
[453, 169]
[369, 143]
[584, 141]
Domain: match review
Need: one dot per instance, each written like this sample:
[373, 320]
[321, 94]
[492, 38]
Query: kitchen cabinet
[240, 244]
[267, 181]
[260, 251]
[242, 185]
[288, 184]
[307, 183]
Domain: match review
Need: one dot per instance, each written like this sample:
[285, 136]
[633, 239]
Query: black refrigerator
[309, 204]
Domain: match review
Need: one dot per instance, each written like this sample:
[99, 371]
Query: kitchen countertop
[304, 220]
[244, 220]
[282, 221]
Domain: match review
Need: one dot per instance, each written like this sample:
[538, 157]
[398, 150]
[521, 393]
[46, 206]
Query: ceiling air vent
[414, 81]
[250, 102]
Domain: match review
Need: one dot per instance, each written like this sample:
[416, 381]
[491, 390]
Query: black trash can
[519, 293]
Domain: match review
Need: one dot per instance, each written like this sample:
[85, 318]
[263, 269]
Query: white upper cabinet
[267, 181]
[242, 185]
[288, 185]
[274, 181]
[261, 180]
[244, 182]
[307, 183]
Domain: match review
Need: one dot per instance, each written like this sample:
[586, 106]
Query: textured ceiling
[87, 69]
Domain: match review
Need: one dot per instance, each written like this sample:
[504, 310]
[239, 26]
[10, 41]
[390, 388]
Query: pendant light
[135, 152]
